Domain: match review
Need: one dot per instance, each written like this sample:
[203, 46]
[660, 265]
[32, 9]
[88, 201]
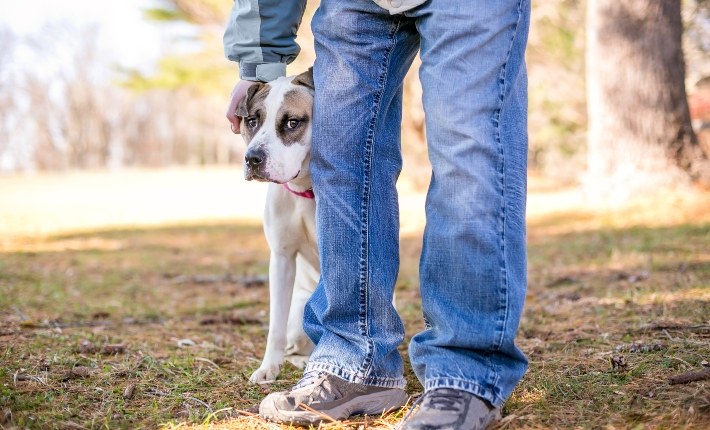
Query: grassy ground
[161, 326]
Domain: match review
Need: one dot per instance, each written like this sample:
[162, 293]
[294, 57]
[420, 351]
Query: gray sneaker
[449, 409]
[320, 397]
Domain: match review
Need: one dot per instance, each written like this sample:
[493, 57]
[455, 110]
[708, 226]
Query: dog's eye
[252, 122]
[293, 123]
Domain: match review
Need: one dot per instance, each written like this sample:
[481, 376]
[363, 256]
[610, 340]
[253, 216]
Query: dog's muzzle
[254, 161]
[255, 157]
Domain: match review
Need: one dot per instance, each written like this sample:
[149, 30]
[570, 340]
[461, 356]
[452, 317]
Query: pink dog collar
[308, 194]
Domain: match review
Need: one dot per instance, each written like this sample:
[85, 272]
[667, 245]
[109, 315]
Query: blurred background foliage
[174, 114]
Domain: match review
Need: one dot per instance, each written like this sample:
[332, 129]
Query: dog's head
[276, 126]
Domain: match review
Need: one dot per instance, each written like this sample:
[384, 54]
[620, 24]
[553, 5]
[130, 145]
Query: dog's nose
[254, 157]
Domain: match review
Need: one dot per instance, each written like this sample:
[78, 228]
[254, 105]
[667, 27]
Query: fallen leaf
[128, 392]
[86, 347]
[77, 372]
[113, 349]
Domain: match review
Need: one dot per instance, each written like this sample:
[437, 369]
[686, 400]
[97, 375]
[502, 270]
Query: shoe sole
[494, 417]
[368, 404]
[484, 424]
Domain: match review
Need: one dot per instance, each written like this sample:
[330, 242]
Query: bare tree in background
[71, 114]
[88, 105]
[7, 101]
[49, 148]
[640, 136]
[70, 107]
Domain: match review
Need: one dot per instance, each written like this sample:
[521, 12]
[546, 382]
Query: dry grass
[160, 324]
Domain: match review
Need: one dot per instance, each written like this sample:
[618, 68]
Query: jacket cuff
[398, 6]
[264, 72]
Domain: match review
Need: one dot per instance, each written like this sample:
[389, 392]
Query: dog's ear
[305, 79]
[242, 110]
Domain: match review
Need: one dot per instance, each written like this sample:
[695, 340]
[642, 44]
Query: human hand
[238, 93]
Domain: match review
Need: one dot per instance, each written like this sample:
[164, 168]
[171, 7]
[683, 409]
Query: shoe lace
[449, 400]
[308, 378]
[441, 399]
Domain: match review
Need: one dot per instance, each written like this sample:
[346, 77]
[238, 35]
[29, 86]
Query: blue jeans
[473, 262]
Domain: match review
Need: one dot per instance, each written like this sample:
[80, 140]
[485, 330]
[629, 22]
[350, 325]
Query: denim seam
[501, 177]
[365, 208]
[355, 377]
[466, 385]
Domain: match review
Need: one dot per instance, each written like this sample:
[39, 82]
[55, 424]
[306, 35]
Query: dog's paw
[264, 375]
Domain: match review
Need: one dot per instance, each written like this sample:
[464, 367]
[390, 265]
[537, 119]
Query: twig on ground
[208, 361]
[508, 419]
[670, 326]
[94, 323]
[320, 414]
[196, 400]
[71, 425]
[19, 313]
[154, 392]
[690, 366]
[6, 416]
[214, 414]
[685, 378]
[20, 377]
[227, 278]
[229, 319]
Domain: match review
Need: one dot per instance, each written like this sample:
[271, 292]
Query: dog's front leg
[282, 273]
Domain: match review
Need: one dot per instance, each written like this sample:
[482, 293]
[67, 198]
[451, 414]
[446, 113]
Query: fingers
[238, 93]
[231, 111]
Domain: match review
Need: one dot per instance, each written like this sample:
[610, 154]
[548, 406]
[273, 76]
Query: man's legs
[473, 261]
[473, 264]
[362, 55]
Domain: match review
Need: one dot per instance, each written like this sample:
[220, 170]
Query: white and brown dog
[276, 126]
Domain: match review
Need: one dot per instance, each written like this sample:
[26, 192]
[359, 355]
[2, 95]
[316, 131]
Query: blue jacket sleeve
[261, 35]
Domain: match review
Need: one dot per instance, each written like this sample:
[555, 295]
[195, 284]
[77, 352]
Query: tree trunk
[640, 137]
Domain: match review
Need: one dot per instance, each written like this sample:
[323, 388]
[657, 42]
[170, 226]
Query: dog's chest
[289, 220]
